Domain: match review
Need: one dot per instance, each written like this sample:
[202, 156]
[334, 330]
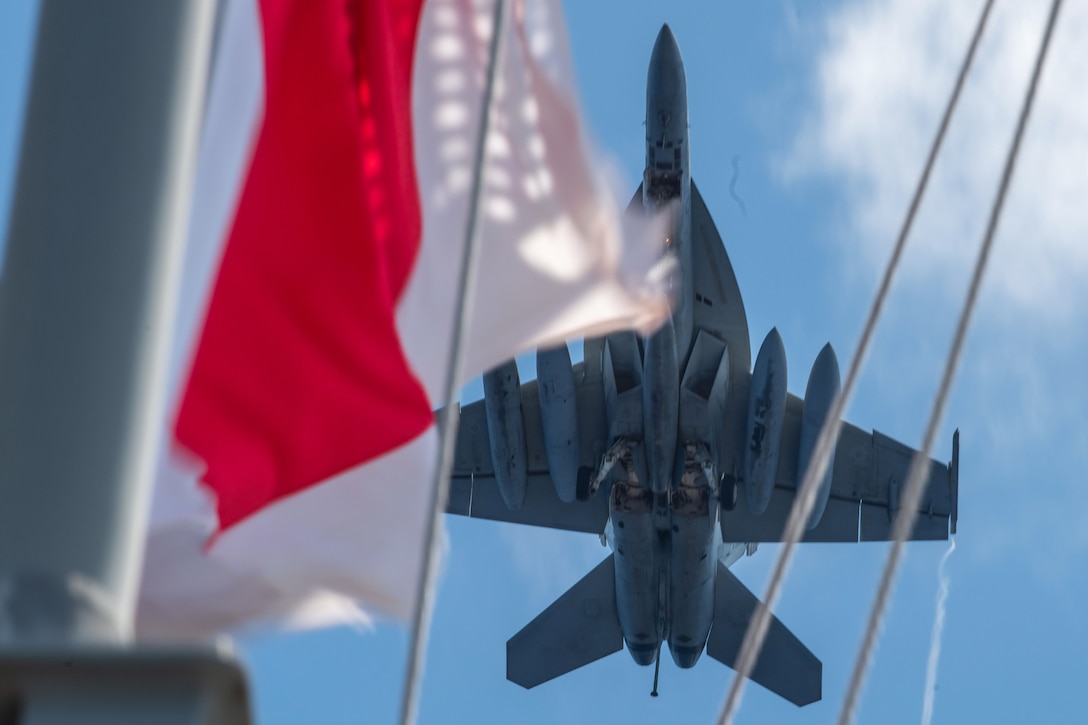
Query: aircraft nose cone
[666, 89]
[665, 32]
[666, 51]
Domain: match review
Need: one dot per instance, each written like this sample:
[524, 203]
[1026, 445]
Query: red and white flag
[326, 236]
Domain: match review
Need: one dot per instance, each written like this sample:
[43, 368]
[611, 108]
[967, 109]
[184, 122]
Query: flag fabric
[326, 235]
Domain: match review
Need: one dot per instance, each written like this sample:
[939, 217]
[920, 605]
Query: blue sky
[828, 107]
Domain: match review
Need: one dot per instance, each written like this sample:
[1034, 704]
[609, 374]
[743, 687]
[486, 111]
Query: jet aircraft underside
[679, 453]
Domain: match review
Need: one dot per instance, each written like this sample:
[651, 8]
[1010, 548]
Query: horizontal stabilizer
[785, 666]
[578, 628]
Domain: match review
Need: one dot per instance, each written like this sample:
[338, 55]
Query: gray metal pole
[450, 415]
[90, 282]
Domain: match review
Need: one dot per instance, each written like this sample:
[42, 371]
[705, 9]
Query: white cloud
[883, 76]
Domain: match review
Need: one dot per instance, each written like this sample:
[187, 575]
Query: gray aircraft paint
[659, 433]
[559, 414]
[506, 428]
[766, 411]
[823, 385]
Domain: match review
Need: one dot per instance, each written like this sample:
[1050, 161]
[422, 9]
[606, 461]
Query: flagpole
[90, 284]
[449, 415]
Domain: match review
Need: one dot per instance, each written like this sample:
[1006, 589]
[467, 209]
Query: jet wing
[718, 307]
[870, 471]
[474, 491]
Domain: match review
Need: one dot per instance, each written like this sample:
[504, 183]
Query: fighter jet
[679, 454]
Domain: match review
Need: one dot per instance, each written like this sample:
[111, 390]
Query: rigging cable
[825, 443]
[912, 493]
[448, 417]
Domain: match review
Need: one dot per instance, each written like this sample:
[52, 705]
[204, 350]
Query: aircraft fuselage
[664, 499]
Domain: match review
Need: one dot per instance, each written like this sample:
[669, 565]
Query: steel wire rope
[912, 493]
[448, 417]
[806, 498]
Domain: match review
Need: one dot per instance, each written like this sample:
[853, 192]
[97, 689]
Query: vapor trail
[938, 630]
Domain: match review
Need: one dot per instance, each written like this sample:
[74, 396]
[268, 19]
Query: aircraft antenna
[657, 671]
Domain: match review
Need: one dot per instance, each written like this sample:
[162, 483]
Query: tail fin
[785, 666]
[578, 628]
